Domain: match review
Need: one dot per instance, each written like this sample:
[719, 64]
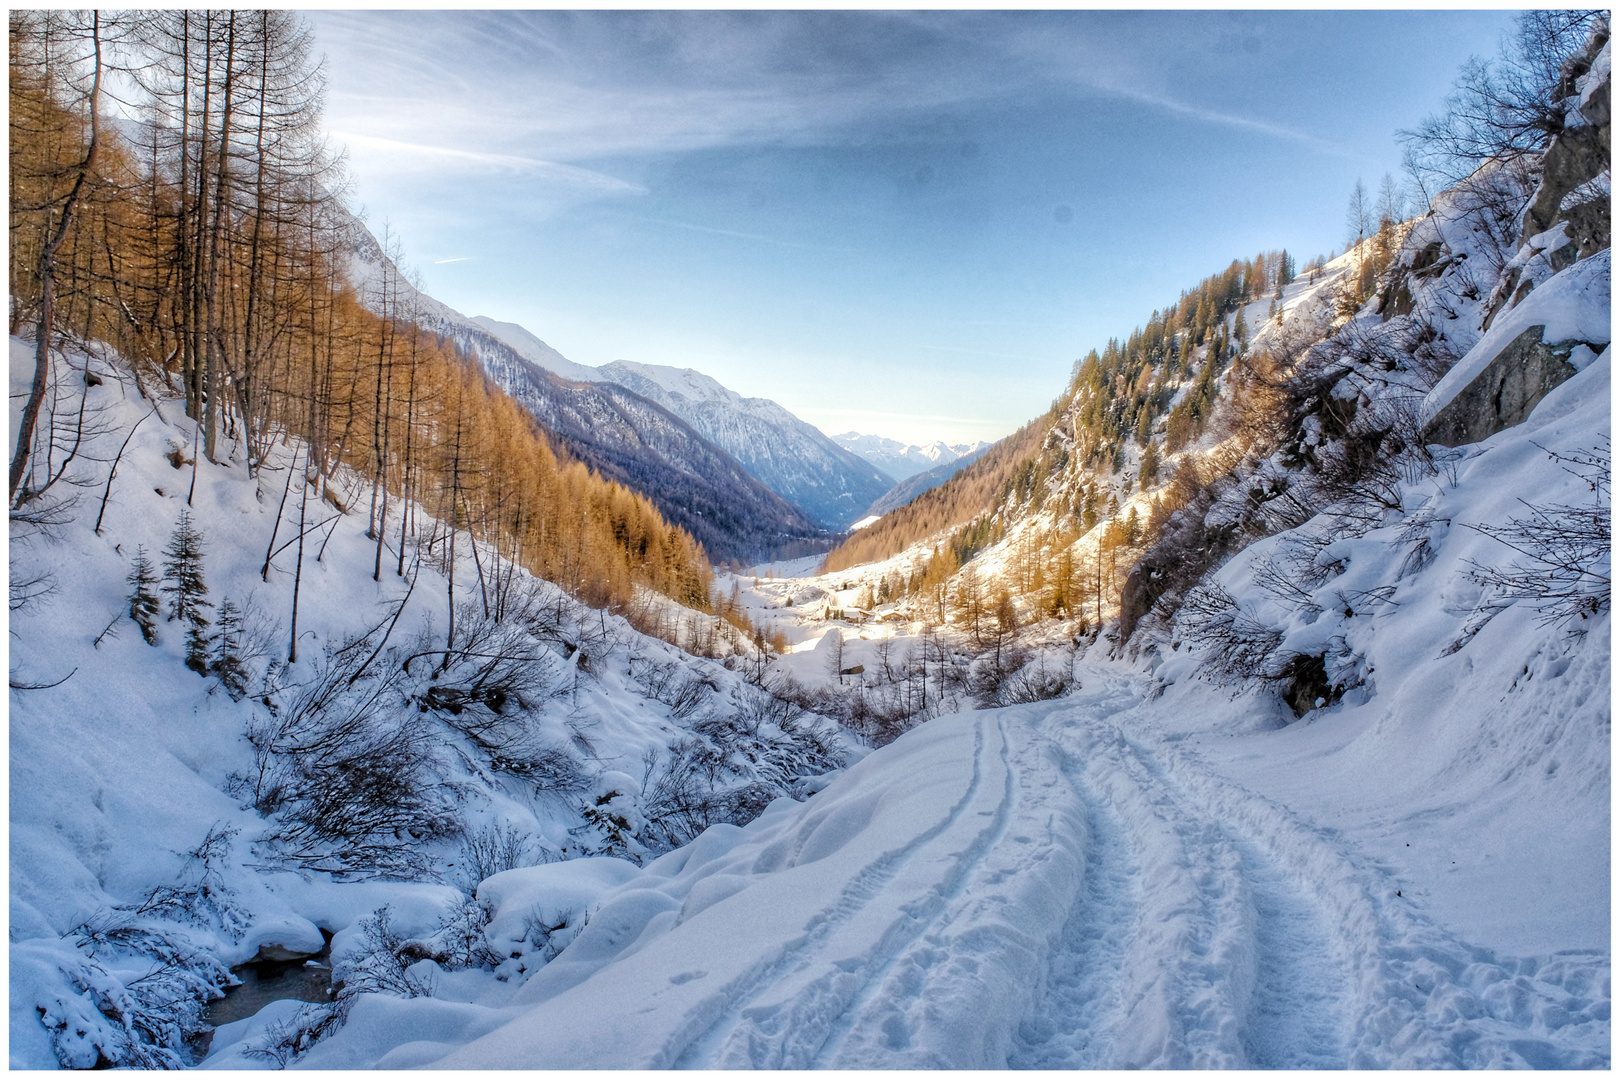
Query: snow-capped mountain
[621, 434]
[784, 453]
[532, 348]
[902, 461]
[778, 449]
[927, 480]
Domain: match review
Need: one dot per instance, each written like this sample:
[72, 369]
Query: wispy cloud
[1212, 116]
[459, 258]
[437, 157]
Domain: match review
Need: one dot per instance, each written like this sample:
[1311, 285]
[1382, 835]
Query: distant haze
[907, 224]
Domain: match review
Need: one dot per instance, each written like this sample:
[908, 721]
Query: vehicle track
[1073, 1022]
[780, 1016]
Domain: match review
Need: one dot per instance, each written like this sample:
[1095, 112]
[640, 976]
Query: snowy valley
[408, 701]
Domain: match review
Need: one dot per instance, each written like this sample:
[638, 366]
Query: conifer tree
[226, 663]
[1150, 464]
[183, 573]
[143, 602]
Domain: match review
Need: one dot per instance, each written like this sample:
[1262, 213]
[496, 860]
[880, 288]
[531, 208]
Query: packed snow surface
[1149, 872]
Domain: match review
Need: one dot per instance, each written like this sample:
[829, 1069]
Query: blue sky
[906, 223]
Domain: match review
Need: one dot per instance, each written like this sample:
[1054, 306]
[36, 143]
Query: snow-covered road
[1055, 885]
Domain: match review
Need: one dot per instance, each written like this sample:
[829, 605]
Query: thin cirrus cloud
[539, 91]
[1223, 119]
[898, 194]
[754, 237]
[397, 154]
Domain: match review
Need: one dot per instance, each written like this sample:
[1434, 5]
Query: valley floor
[1083, 883]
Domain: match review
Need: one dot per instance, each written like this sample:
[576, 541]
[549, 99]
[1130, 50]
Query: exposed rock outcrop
[1505, 391]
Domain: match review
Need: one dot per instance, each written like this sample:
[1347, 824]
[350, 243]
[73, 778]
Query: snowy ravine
[1151, 871]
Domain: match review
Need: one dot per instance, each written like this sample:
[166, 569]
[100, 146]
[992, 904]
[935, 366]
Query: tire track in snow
[1072, 1023]
[764, 1038]
[1396, 990]
[927, 918]
[1295, 1011]
[1299, 1013]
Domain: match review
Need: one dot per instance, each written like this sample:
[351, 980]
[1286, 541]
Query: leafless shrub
[670, 684]
[1564, 566]
[142, 989]
[1036, 680]
[733, 764]
[1234, 644]
[540, 931]
[380, 962]
[459, 941]
[346, 768]
[494, 849]
[1417, 536]
[201, 895]
[30, 589]
[287, 1039]
[694, 789]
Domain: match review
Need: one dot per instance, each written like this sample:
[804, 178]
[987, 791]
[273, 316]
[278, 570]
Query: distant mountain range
[914, 485]
[621, 434]
[900, 461]
[743, 475]
[787, 455]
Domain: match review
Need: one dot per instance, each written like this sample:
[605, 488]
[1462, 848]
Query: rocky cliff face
[1566, 222]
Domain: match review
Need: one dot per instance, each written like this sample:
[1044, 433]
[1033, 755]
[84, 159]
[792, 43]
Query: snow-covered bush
[495, 849]
[613, 819]
[201, 894]
[138, 989]
[346, 769]
[1039, 675]
[669, 682]
[381, 962]
[1563, 568]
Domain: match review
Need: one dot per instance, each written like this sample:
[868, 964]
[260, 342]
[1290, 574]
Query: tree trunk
[46, 329]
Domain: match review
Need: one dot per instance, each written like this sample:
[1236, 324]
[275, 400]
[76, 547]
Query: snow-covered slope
[123, 759]
[927, 480]
[1148, 872]
[532, 348]
[784, 453]
[901, 461]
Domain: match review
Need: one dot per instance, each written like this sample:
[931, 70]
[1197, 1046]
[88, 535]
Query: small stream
[300, 978]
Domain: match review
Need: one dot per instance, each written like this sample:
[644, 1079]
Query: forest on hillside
[174, 206]
[1093, 501]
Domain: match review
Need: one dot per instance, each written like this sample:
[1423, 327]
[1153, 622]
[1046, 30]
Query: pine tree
[227, 664]
[183, 570]
[143, 602]
[1150, 464]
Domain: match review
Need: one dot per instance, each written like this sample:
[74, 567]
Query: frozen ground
[1050, 886]
[1151, 871]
